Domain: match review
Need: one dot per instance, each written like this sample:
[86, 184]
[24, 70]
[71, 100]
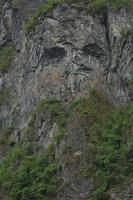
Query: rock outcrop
[66, 54]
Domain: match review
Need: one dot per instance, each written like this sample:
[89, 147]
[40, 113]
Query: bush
[27, 176]
[110, 136]
[108, 131]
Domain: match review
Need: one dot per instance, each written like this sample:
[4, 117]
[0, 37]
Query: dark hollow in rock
[55, 52]
[93, 50]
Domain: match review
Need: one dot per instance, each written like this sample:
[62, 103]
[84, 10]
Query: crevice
[106, 24]
[107, 69]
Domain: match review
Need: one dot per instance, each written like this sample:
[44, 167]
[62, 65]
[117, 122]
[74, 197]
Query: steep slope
[63, 75]
[67, 53]
[84, 153]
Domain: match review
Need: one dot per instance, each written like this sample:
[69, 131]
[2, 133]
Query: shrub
[108, 131]
[110, 136]
[27, 176]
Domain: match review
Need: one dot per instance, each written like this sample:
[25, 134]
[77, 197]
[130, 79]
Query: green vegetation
[60, 117]
[6, 57]
[93, 6]
[43, 9]
[15, 3]
[57, 111]
[127, 32]
[110, 140]
[34, 176]
[27, 176]
[77, 104]
[99, 5]
[130, 82]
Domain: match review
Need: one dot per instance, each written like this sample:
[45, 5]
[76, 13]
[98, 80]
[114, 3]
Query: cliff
[66, 91]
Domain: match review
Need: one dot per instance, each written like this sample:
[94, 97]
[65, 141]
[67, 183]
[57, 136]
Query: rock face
[68, 53]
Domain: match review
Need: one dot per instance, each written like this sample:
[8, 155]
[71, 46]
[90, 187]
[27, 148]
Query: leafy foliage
[110, 133]
[27, 176]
